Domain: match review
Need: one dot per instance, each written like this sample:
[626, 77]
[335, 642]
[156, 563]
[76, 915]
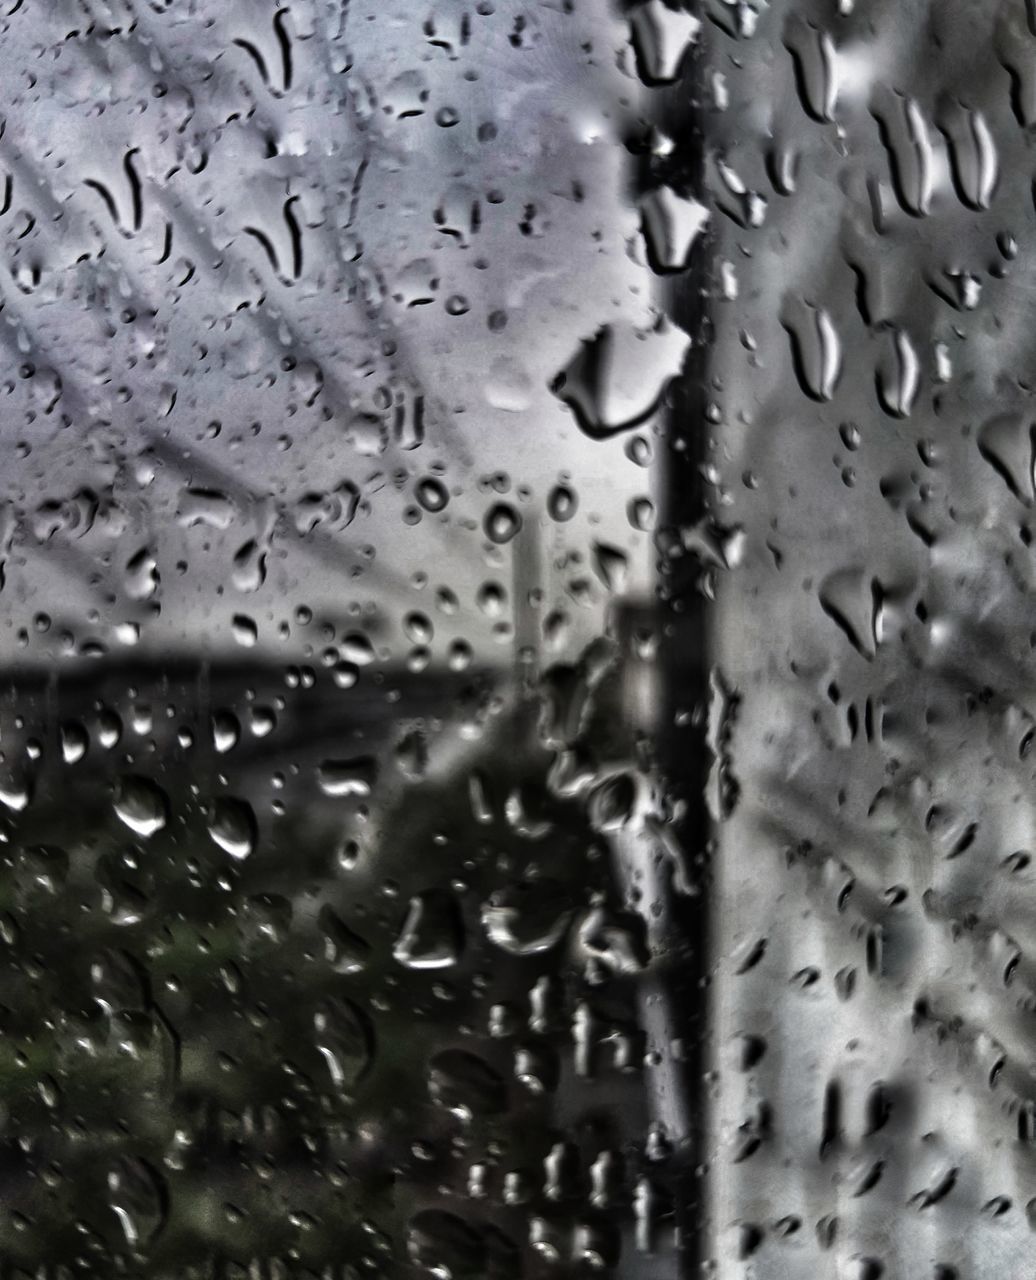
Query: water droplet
[345, 1040]
[562, 503]
[344, 948]
[244, 630]
[502, 523]
[611, 566]
[661, 36]
[432, 936]
[75, 742]
[527, 919]
[466, 1084]
[355, 777]
[672, 226]
[233, 827]
[617, 378]
[139, 1198]
[226, 731]
[816, 349]
[142, 805]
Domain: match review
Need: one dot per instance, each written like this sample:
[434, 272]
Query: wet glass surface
[516, 638]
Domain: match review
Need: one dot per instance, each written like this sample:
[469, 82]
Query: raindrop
[562, 503]
[142, 805]
[432, 936]
[502, 522]
[355, 777]
[232, 826]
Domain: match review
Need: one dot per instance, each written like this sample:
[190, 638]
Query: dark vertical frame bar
[680, 730]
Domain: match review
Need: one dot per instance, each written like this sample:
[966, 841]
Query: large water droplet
[502, 523]
[138, 1196]
[141, 804]
[354, 777]
[232, 826]
[617, 378]
[345, 1040]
